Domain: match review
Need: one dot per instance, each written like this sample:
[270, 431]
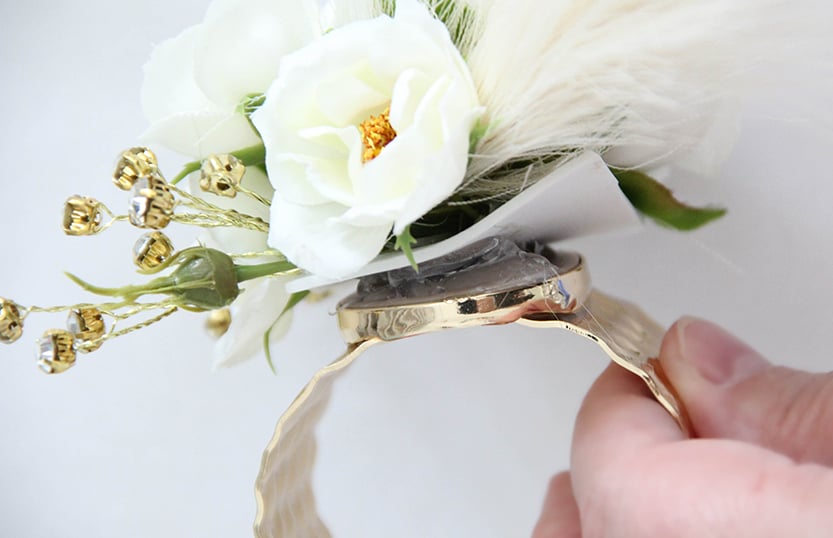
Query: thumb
[730, 391]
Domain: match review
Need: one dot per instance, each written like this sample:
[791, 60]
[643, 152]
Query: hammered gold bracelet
[492, 282]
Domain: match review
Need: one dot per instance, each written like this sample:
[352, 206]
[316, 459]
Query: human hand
[761, 463]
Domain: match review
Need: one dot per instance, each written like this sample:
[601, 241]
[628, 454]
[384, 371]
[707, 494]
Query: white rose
[194, 82]
[332, 212]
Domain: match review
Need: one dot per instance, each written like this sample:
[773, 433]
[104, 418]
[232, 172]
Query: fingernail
[719, 357]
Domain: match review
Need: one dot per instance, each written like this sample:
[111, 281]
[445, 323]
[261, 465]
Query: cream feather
[643, 81]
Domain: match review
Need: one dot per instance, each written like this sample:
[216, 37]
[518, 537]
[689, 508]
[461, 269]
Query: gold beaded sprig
[87, 324]
[11, 322]
[199, 279]
[133, 164]
[86, 330]
[154, 202]
[84, 215]
[223, 174]
[151, 203]
[56, 351]
[152, 250]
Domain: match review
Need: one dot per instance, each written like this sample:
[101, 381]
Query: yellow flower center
[377, 132]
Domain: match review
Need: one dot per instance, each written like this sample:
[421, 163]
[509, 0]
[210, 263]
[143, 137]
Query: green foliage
[655, 200]
[404, 241]
[250, 103]
[457, 20]
[386, 7]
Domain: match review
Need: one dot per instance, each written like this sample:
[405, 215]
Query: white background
[142, 439]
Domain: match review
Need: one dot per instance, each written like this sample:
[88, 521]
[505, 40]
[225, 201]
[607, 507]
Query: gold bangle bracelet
[456, 294]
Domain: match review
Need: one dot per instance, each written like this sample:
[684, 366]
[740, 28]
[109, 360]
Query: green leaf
[250, 103]
[403, 243]
[293, 301]
[655, 200]
[268, 351]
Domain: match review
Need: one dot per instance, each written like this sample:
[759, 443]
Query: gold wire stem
[114, 219]
[93, 344]
[212, 216]
[196, 201]
[143, 324]
[108, 309]
[268, 252]
[105, 308]
[138, 308]
[290, 272]
[228, 219]
[243, 190]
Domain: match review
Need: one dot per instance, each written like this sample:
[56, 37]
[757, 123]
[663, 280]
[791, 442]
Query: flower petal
[252, 314]
[169, 87]
[242, 43]
[315, 238]
[198, 134]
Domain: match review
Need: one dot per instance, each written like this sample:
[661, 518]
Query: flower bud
[205, 279]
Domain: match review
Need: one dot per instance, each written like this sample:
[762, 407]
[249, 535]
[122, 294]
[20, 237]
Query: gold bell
[152, 250]
[218, 322]
[11, 324]
[87, 324]
[56, 351]
[221, 175]
[82, 215]
[133, 164]
[151, 203]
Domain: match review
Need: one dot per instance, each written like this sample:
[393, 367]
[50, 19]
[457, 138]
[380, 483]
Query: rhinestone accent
[151, 203]
[82, 215]
[133, 164]
[55, 351]
[11, 324]
[221, 175]
[218, 322]
[152, 250]
[87, 324]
